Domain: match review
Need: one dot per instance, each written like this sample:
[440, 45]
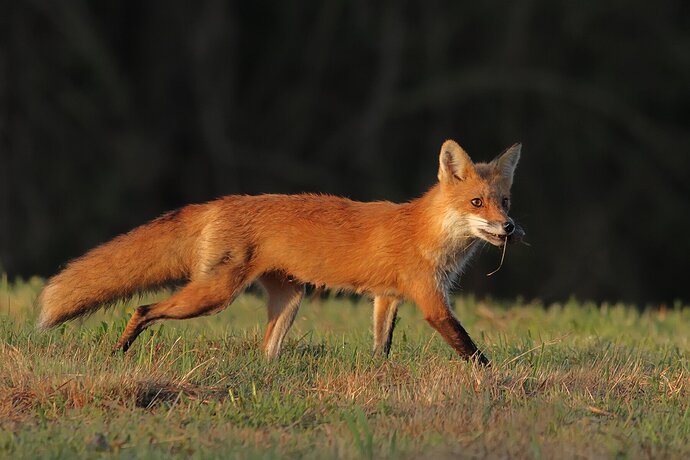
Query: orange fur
[411, 250]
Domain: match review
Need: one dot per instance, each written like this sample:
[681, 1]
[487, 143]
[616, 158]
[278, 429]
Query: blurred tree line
[112, 112]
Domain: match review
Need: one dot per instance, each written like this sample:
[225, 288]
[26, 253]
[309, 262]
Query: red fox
[412, 250]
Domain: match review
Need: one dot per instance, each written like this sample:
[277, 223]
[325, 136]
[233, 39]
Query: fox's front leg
[385, 312]
[437, 312]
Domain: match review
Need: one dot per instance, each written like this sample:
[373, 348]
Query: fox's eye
[476, 202]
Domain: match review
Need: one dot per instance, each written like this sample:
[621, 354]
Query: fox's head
[477, 196]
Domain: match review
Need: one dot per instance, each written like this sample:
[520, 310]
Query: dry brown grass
[595, 383]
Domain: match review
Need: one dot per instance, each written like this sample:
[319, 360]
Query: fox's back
[321, 239]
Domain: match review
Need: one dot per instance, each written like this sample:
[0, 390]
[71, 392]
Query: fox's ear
[507, 161]
[454, 163]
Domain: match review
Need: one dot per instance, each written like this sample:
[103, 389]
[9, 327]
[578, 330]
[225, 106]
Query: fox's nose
[509, 227]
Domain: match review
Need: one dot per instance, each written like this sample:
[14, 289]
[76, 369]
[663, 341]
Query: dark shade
[112, 112]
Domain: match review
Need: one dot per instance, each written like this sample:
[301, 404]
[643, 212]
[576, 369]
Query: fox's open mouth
[493, 238]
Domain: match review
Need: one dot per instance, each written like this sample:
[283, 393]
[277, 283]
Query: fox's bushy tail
[152, 255]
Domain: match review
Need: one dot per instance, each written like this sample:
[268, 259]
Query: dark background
[112, 112]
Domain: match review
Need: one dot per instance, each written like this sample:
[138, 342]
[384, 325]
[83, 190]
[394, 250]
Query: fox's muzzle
[517, 235]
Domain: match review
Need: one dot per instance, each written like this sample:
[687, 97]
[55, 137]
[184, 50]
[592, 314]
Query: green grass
[573, 380]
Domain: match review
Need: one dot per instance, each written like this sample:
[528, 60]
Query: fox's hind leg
[205, 296]
[284, 298]
[385, 313]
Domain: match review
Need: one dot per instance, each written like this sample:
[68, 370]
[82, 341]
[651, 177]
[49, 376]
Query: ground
[572, 380]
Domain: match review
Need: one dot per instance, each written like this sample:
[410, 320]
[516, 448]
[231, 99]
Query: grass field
[574, 380]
